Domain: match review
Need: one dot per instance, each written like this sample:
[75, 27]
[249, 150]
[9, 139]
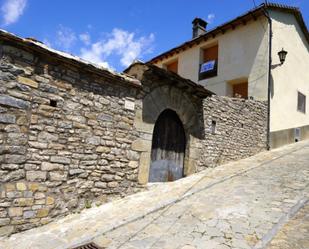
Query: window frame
[299, 107]
[211, 73]
[246, 83]
[169, 63]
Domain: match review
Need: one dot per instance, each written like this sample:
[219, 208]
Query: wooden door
[168, 148]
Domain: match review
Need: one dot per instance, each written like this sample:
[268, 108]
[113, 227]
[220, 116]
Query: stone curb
[282, 221]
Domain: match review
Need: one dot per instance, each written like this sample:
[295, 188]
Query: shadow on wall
[286, 23]
[272, 87]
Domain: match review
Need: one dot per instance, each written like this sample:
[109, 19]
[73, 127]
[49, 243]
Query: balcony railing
[208, 69]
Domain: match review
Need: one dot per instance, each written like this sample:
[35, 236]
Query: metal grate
[88, 246]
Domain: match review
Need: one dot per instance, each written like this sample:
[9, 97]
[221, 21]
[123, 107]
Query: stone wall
[240, 129]
[234, 129]
[65, 140]
[72, 136]
[166, 90]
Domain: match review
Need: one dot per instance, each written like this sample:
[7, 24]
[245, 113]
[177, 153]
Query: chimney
[199, 27]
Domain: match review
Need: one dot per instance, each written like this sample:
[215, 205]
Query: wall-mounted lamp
[282, 54]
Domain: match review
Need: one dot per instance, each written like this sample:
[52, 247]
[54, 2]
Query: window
[301, 102]
[173, 66]
[213, 127]
[53, 103]
[240, 90]
[208, 67]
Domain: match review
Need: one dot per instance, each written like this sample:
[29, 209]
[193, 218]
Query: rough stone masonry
[75, 135]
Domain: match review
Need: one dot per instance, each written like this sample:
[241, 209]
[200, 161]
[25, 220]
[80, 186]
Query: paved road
[239, 205]
[294, 234]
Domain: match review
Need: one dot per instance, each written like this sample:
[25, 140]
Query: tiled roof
[159, 74]
[242, 19]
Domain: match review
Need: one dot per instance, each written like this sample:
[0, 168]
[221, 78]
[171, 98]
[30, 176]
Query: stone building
[75, 135]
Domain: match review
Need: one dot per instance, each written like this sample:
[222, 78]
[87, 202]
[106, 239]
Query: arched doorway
[168, 148]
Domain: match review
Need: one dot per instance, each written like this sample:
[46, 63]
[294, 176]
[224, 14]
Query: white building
[235, 58]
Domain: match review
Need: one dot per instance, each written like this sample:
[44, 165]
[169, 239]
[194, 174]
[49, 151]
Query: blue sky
[113, 33]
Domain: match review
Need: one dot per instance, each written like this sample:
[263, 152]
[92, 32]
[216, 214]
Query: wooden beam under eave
[222, 30]
[254, 16]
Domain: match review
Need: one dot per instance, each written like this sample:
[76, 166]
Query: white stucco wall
[242, 55]
[290, 77]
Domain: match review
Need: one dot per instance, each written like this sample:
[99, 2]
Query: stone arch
[154, 103]
[168, 97]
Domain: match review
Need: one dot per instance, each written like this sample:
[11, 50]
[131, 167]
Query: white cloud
[12, 10]
[105, 64]
[94, 55]
[210, 18]
[85, 38]
[121, 43]
[65, 38]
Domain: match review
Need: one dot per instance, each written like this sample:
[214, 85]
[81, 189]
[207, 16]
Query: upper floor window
[209, 66]
[172, 66]
[301, 102]
[240, 90]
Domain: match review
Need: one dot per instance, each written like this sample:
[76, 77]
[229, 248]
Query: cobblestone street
[295, 233]
[256, 203]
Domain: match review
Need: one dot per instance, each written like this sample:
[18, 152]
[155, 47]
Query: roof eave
[242, 19]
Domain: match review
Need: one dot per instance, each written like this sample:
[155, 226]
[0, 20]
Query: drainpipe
[269, 75]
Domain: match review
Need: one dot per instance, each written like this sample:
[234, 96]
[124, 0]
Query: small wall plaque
[129, 105]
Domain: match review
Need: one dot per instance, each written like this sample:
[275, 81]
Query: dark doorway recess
[168, 148]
